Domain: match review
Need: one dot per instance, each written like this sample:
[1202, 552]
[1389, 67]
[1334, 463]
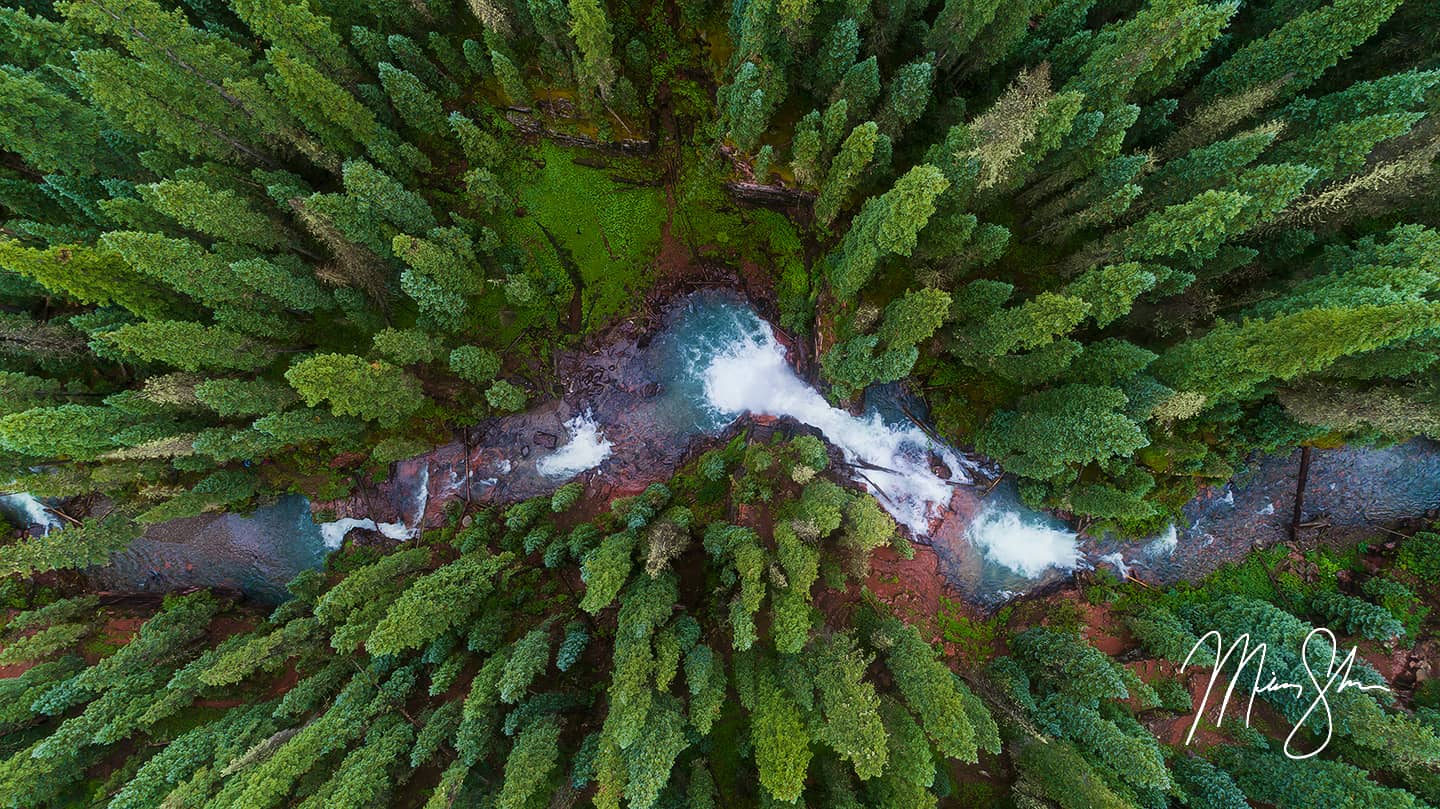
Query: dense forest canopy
[1117, 245]
[665, 654]
[266, 246]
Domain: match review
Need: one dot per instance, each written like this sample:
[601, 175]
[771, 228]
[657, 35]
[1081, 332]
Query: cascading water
[715, 361]
[738, 366]
[1022, 540]
[586, 449]
[26, 510]
[334, 532]
[721, 360]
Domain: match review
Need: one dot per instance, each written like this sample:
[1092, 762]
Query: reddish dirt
[1101, 629]
[912, 588]
[117, 631]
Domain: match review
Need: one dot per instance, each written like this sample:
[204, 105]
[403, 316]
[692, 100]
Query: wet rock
[650, 390]
[547, 440]
[939, 467]
[525, 451]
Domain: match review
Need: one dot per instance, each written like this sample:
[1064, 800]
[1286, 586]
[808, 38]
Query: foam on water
[586, 449]
[1023, 543]
[333, 533]
[750, 374]
[27, 507]
[1164, 544]
[1116, 560]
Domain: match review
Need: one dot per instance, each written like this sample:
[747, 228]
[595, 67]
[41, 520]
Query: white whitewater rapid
[333, 533]
[28, 507]
[1022, 543]
[751, 375]
[586, 449]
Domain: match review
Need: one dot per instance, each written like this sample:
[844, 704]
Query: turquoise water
[256, 553]
[718, 360]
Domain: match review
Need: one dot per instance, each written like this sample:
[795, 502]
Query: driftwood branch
[758, 194]
[1300, 479]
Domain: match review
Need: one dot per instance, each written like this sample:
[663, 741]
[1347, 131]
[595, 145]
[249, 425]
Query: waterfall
[750, 374]
[25, 506]
[1025, 542]
[586, 449]
[333, 533]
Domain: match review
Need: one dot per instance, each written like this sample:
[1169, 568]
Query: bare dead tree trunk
[1299, 513]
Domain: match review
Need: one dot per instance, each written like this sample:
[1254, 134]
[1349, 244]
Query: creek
[633, 410]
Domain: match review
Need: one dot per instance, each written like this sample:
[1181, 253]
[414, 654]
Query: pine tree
[505, 397]
[44, 127]
[441, 273]
[929, 689]
[342, 123]
[859, 87]
[528, 659]
[806, 150]
[1020, 128]
[87, 275]
[511, 81]
[1343, 148]
[388, 198]
[413, 100]
[1231, 359]
[414, 60]
[1206, 785]
[1071, 424]
[650, 761]
[590, 27]
[1299, 51]
[180, 263]
[79, 432]
[837, 54]
[913, 317]
[1356, 616]
[1206, 167]
[1111, 290]
[748, 120]
[887, 224]
[606, 569]
[845, 171]
[296, 28]
[75, 547]
[474, 364]
[406, 346]
[435, 604]
[189, 346]
[906, 98]
[1139, 56]
[853, 726]
[782, 749]
[374, 391]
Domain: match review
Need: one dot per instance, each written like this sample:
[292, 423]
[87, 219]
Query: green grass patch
[610, 230]
[973, 639]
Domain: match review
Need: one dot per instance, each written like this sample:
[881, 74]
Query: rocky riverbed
[655, 392]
